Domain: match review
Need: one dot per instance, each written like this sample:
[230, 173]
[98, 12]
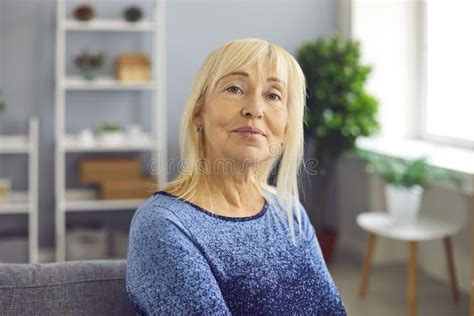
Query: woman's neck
[230, 194]
[236, 191]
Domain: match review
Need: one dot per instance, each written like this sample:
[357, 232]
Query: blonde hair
[234, 56]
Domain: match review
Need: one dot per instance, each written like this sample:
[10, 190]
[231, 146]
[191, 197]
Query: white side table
[381, 224]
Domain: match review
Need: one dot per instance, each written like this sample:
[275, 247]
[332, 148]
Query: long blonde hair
[230, 57]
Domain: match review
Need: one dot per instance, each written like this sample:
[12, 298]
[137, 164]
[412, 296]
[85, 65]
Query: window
[449, 72]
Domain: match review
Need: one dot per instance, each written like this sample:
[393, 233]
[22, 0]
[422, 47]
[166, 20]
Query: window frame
[423, 132]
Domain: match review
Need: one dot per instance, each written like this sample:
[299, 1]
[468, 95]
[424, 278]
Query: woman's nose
[254, 108]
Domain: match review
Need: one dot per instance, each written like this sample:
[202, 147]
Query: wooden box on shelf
[95, 170]
[133, 67]
[5, 189]
[139, 188]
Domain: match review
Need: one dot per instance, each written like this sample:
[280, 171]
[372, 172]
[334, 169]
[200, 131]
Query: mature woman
[219, 239]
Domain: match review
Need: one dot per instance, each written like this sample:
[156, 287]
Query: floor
[386, 293]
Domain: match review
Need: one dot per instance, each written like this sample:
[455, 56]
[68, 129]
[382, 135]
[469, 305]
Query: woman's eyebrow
[235, 73]
[244, 74]
[273, 79]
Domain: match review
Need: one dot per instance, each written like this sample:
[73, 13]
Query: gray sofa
[85, 287]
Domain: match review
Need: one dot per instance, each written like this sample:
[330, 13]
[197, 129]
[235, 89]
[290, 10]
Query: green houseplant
[406, 181]
[111, 134]
[110, 127]
[89, 63]
[338, 111]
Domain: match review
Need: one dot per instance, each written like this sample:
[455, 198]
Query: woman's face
[243, 99]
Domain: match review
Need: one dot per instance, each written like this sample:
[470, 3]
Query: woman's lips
[249, 135]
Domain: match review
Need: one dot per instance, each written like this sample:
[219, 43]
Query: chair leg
[367, 265]
[451, 268]
[412, 245]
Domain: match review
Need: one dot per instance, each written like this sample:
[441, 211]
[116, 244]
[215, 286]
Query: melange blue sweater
[185, 260]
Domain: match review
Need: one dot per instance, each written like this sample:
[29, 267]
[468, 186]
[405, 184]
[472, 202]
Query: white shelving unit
[110, 25]
[104, 83]
[25, 202]
[78, 200]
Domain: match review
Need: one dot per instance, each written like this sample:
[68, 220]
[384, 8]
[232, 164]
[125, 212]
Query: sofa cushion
[84, 287]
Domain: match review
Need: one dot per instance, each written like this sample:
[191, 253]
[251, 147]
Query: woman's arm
[166, 273]
[333, 304]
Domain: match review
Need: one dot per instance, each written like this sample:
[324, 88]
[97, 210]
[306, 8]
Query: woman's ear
[197, 115]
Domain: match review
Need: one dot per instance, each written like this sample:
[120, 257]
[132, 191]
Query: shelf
[14, 144]
[86, 200]
[104, 83]
[73, 144]
[73, 200]
[102, 205]
[16, 204]
[115, 258]
[109, 25]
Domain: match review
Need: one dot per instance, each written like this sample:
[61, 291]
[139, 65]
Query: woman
[218, 239]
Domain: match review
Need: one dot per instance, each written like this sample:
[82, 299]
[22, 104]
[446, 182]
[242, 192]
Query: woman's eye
[233, 89]
[274, 97]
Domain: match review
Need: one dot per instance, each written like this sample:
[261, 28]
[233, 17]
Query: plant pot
[403, 204]
[89, 74]
[111, 138]
[327, 238]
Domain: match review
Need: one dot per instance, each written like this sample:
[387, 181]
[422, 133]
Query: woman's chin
[249, 156]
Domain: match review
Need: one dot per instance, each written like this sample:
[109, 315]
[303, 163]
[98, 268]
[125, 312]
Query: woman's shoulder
[157, 219]
[156, 214]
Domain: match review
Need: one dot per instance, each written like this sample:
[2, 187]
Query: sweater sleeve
[166, 272]
[331, 302]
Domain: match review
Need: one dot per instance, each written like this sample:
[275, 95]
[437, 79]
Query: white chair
[381, 224]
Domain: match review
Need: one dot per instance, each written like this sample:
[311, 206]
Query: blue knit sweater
[185, 260]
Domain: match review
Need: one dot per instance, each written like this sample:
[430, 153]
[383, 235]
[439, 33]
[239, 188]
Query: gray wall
[194, 28]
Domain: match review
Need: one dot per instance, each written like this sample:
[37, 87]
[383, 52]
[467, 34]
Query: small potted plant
[406, 180]
[111, 133]
[89, 63]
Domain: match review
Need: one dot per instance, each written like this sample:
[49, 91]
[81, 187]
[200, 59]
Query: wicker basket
[133, 67]
[139, 188]
[96, 170]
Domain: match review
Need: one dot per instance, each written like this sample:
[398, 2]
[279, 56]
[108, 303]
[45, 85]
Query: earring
[199, 129]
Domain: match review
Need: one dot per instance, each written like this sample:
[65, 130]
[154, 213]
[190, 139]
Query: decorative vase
[84, 12]
[133, 14]
[89, 74]
[86, 137]
[403, 204]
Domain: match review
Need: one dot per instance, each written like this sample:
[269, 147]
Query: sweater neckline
[226, 218]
